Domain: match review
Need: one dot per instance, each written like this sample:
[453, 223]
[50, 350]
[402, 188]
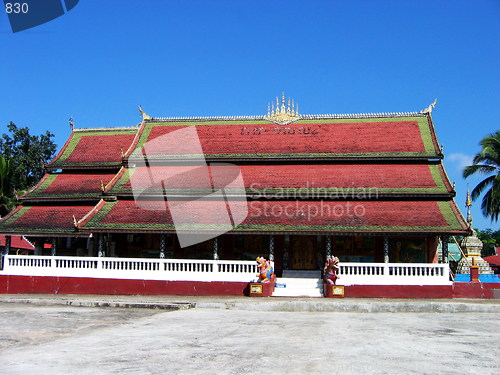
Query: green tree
[487, 162]
[7, 195]
[27, 153]
[490, 240]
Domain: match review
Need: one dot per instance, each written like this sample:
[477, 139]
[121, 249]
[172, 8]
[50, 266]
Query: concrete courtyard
[37, 339]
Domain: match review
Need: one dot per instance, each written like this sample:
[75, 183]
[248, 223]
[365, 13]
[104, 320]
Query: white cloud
[460, 160]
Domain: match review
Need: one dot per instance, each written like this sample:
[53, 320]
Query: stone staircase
[296, 283]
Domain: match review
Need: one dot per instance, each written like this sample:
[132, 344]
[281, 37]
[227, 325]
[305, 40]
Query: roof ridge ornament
[71, 123]
[285, 114]
[430, 107]
[144, 115]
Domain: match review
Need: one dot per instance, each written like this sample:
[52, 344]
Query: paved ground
[37, 339]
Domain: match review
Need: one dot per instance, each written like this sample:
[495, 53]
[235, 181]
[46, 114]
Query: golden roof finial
[75, 222]
[268, 109]
[102, 186]
[144, 115]
[283, 109]
[429, 108]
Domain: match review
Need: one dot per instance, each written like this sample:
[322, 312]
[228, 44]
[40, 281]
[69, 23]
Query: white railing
[214, 270]
[130, 268]
[394, 274]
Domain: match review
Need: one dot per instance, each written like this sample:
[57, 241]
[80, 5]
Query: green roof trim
[448, 213]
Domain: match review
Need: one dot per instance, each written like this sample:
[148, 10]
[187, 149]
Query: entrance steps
[298, 283]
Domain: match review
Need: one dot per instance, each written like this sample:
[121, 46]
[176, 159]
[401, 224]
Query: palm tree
[487, 162]
[7, 195]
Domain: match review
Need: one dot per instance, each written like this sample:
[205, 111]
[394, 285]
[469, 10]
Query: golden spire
[468, 201]
[468, 204]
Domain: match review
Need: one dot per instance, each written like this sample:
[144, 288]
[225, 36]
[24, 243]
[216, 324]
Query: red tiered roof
[415, 194]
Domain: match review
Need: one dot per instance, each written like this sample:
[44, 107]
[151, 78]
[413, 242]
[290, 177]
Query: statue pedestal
[333, 291]
[262, 289]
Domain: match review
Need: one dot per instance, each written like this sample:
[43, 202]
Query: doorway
[303, 253]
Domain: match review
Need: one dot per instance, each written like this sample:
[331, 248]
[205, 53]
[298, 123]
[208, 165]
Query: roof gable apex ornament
[429, 108]
[283, 115]
[144, 115]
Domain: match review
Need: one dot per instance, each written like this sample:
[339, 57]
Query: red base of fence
[10, 284]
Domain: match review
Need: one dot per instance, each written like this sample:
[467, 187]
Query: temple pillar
[8, 241]
[386, 249]
[38, 246]
[100, 246]
[328, 246]
[216, 248]
[271, 248]
[163, 243]
[444, 249]
[53, 251]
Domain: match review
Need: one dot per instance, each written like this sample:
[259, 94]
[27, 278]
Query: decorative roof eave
[74, 167]
[62, 198]
[375, 157]
[292, 230]
[305, 195]
[301, 117]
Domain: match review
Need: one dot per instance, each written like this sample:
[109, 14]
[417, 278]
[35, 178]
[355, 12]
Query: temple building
[180, 200]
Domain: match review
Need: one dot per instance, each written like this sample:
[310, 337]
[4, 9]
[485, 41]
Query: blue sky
[204, 58]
